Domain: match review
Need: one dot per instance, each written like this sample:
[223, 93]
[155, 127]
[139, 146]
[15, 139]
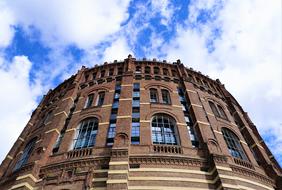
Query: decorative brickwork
[140, 124]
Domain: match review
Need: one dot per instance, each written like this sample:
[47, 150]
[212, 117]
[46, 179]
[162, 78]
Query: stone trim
[125, 99]
[68, 98]
[126, 85]
[56, 130]
[99, 179]
[252, 146]
[38, 141]
[145, 121]
[177, 106]
[25, 184]
[174, 170]
[191, 91]
[61, 113]
[117, 181]
[106, 105]
[197, 105]
[69, 130]
[118, 172]
[185, 179]
[21, 139]
[244, 142]
[217, 131]
[10, 157]
[210, 114]
[244, 180]
[28, 176]
[76, 112]
[104, 123]
[164, 187]
[114, 163]
[124, 116]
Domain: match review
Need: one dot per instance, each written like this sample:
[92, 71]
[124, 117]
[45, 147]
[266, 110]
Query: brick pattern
[53, 164]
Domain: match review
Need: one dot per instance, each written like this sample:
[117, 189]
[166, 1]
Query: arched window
[174, 74]
[147, 70]
[222, 112]
[156, 70]
[102, 73]
[165, 71]
[26, 154]
[47, 117]
[138, 69]
[233, 144]
[165, 96]
[89, 101]
[163, 129]
[153, 95]
[86, 133]
[100, 99]
[214, 109]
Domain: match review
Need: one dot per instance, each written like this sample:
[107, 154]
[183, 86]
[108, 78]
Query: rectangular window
[94, 75]
[136, 86]
[165, 71]
[222, 113]
[135, 128]
[102, 74]
[136, 103]
[153, 95]
[214, 110]
[166, 97]
[86, 78]
[111, 72]
[115, 104]
[120, 71]
[89, 101]
[136, 95]
[174, 73]
[199, 81]
[101, 98]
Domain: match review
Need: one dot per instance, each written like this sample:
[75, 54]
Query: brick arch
[88, 116]
[95, 89]
[157, 85]
[212, 99]
[121, 139]
[150, 115]
[232, 130]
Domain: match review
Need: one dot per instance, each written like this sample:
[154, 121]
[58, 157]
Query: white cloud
[164, 8]
[118, 50]
[17, 99]
[83, 23]
[6, 25]
[247, 57]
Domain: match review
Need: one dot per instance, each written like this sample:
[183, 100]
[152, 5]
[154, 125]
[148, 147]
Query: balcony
[167, 149]
[79, 153]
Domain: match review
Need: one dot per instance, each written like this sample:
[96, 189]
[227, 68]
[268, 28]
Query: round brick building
[140, 124]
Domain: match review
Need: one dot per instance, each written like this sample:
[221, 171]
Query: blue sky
[239, 42]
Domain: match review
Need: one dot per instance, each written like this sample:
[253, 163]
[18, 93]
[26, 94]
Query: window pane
[89, 101]
[163, 129]
[86, 134]
[233, 144]
[101, 98]
[166, 97]
[26, 154]
[153, 95]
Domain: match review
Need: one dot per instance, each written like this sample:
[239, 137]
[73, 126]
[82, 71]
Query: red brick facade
[139, 97]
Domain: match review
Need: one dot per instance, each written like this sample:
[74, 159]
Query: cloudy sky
[44, 42]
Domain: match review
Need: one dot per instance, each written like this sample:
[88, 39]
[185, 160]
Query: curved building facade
[140, 124]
